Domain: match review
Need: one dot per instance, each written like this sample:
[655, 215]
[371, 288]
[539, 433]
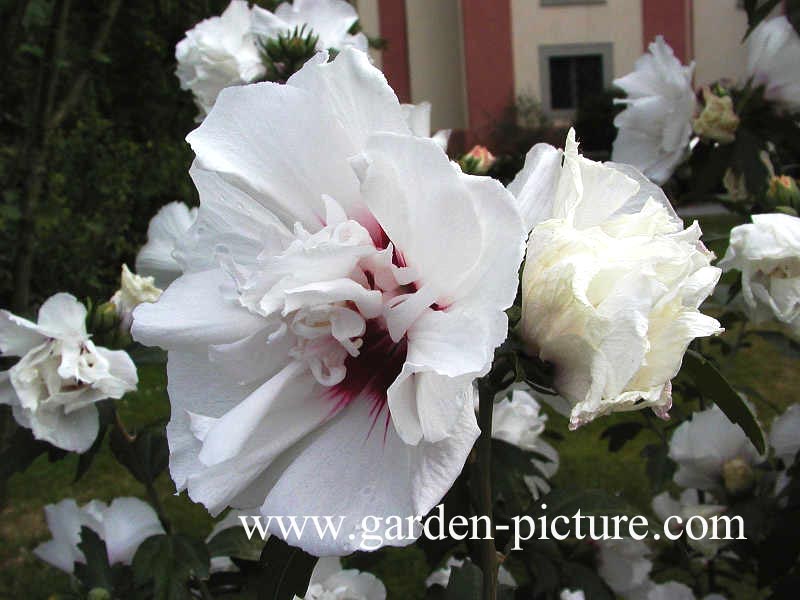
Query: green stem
[488, 552]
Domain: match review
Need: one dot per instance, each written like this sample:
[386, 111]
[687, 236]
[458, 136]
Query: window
[572, 73]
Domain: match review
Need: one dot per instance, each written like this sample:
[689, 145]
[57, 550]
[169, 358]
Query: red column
[392, 19]
[673, 20]
[488, 63]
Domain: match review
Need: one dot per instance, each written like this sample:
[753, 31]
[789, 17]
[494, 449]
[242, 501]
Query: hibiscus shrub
[353, 327]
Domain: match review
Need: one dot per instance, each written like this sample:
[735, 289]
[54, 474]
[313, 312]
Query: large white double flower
[612, 282]
[767, 252]
[53, 387]
[343, 286]
[217, 53]
[656, 125]
[773, 60]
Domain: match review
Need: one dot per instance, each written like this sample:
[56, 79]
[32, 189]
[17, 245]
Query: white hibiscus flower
[519, 421]
[624, 565]
[656, 125]
[773, 60]
[165, 233]
[784, 437]
[330, 582]
[612, 282]
[712, 453]
[53, 387]
[123, 526]
[686, 507]
[217, 53]
[767, 252]
[338, 302]
[329, 20]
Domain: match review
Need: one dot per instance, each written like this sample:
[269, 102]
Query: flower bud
[738, 476]
[783, 191]
[477, 161]
[717, 121]
[99, 594]
[105, 317]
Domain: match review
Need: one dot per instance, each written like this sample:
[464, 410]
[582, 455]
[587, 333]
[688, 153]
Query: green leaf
[786, 345]
[712, 385]
[169, 562]
[621, 433]
[22, 449]
[659, 466]
[510, 465]
[145, 457]
[233, 542]
[286, 571]
[591, 502]
[95, 572]
[466, 582]
[105, 411]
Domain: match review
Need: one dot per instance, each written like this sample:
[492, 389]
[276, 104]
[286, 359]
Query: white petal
[254, 140]
[18, 335]
[534, 186]
[63, 316]
[356, 468]
[127, 522]
[192, 312]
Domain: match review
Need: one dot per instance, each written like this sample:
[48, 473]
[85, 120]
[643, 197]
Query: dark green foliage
[120, 154]
[169, 563]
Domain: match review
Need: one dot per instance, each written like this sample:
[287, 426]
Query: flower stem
[488, 553]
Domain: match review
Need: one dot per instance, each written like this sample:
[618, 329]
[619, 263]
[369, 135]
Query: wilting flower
[330, 582]
[217, 53]
[519, 421]
[717, 121]
[133, 290]
[708, 444]
[442, 576]
[123, 526]
[477, 161]
[773, 60]
[655, 127]
[784, 437]
[418, 118]
[612, 282]
[624, 565]
[329, 20]
[338, 302]
[686, 507]
[53, 387]
[767, 252]
[166, 232]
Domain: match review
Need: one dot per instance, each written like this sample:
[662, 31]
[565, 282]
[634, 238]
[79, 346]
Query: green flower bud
[783, 191]
[99, 594]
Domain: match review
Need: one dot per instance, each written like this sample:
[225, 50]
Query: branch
[74, 94]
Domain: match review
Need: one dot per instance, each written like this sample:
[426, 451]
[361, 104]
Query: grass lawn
[584, 461]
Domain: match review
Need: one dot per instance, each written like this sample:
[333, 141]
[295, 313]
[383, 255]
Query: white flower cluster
[223, 51]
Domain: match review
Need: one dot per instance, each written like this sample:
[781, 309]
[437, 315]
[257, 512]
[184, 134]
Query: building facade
[472, 58]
